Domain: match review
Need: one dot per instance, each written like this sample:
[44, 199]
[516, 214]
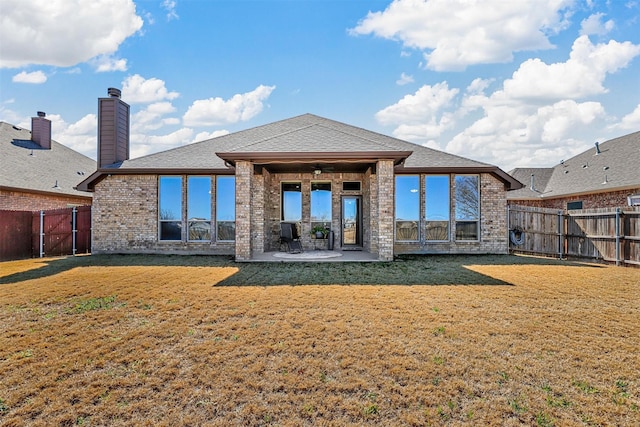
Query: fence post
[41, 234]
[73, 230]
[617, 236]
[560, 233]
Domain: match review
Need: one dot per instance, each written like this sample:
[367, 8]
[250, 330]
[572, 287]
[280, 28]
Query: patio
[315, 256]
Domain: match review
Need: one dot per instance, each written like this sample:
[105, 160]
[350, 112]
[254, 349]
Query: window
[226, 208]
[199, 208]
[407, 207]
[170, 195]
[467, 201]
[321, 205]
[437, 207]
[351, 186]
[574, 205]
[291, 202]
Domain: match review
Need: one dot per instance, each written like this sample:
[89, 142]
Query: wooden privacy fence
[609, 234]
[54, 232]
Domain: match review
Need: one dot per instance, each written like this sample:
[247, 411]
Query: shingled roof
[26, 166]
[307, 138]
[613, 165]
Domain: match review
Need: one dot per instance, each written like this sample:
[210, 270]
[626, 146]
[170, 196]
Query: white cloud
[217, 111]
[593, 25]
[534, 119]
[63, 32]
[138, 90]
[151, 118]
[458, 33]
[582, 75]
[80, 136]
[105, 63]
[404, 79]
[427, 101]
[629, 122]
[35, 77]
[170, 7]
[142, 144]
[419, 116]
[203, 136]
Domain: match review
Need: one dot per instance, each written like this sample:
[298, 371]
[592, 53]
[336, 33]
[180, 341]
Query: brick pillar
[257, 214]
[244, 170]
[386, 192]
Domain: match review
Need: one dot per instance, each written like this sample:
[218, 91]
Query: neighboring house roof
[26, 166]
[613, 166]
[303, 139]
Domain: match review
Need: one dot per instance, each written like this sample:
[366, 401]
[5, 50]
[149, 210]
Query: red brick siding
[24, 201]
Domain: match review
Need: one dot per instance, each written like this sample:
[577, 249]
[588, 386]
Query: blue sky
[511, 83]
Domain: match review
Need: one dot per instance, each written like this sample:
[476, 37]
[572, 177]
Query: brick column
[386, 192]
[257, 214]
[244, 170]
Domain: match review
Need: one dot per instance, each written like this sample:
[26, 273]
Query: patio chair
[289, 237]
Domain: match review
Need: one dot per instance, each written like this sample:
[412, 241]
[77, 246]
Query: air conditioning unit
[634, 200]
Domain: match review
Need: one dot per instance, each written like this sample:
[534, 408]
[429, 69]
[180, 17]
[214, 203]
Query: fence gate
[609, 234]
[54, 232]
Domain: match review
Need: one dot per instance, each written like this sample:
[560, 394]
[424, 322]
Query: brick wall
[493, 224]
[272, 205]
[244, 172]
[125, 219]
[24, 201]
[385, 181]
[611, 199]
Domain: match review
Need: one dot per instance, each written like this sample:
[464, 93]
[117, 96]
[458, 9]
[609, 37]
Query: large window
[170, 204]
[437, 207]
[199, 208]
[407, 207]
[321, 205]
[467, 202]
[226, 208]
[291, 202]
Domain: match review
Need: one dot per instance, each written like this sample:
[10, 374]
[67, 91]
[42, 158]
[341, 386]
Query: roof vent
[41, 114]
[597, 148]
[56, 184]
[114, 92]
[532, 187]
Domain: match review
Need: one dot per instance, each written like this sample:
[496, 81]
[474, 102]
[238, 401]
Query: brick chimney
[41, 130]
[113, 129]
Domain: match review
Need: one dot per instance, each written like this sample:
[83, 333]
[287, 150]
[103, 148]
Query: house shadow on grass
[410, 270]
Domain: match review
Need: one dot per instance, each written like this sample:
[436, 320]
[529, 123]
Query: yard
[169, 340]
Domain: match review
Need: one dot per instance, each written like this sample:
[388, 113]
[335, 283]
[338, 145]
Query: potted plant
[319, 231]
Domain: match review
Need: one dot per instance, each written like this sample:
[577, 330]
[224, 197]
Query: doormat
[310, 255]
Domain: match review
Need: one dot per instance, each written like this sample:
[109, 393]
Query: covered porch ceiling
[310, 162]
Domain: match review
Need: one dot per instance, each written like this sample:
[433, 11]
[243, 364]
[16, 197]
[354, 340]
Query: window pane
[437, 207]
[170, 204]
[199, 207]
[321, 205]
[467, 207]
[407, 207]
[226, 208]
[170, 230]
[199, 198]
[170, 197]
[291, 202]
[467, 198]
[466, 230]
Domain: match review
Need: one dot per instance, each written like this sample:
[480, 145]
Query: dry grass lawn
[153, 340]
